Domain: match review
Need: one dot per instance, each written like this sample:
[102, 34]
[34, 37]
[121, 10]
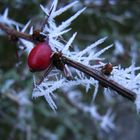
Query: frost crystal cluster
[88, 56]
[55, 80]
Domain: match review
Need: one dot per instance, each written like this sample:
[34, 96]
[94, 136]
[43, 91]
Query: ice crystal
[25, 43]
[119, 49]
[127, 77]
[105, 121]
[4, 19]
[87, 56]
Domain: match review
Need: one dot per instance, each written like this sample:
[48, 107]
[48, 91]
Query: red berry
[40, 57]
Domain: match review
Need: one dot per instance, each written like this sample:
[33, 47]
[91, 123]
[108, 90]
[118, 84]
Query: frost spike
[95, 91]
[100, 41]
[54, 5]
[62, 10]
[68, 21]
[5, 14]
[44, 10]
[137, 102]
[4, 19]
[26, 26]
[103, 50]
[60, 33]
[31, 30]
[69, 42]
[50, 102]
[17, 28]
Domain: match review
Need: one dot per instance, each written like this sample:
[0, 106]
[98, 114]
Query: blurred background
[23, 118]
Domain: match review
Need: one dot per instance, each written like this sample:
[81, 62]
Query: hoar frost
[55, 80]
[86, 57]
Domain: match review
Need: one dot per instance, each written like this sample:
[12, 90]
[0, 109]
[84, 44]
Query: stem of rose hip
[97, 75]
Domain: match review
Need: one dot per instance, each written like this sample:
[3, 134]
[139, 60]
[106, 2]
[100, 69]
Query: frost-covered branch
[83, 60]
[99, 76]
[15, 33]
[95, 74]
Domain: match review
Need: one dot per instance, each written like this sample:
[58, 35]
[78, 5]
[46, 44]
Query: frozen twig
[101, 78]
[15, 33]
[91, 72]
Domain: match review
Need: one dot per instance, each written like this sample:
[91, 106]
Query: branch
[15, 33]
[97, 75]
[104, 80]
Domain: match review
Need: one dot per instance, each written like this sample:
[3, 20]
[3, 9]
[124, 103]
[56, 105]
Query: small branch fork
[96, 74]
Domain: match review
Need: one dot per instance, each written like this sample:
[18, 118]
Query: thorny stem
[104, 80]
[97, 75]
[15, 33]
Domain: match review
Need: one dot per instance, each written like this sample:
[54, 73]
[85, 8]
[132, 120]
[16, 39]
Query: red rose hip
[40, 57]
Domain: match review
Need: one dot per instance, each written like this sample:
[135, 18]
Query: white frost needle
[27, 44]
[45, 10]
[69, 42]
[4, 19]
[5, 14]
[62, 10]
[95, 91]
[107, 121]
[26, 26]
[50, 102]
[60, 33]
[54, 5]
[92, 46]
[102, 51]
[67, 23]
